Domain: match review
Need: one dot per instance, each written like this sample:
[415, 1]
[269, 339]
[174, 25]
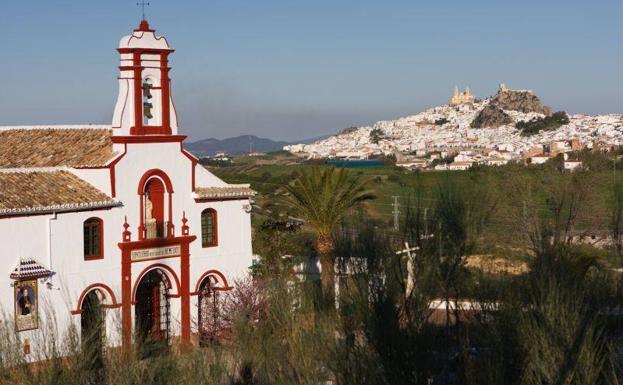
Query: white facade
[541, 159]
[146, 154]
[572, 165]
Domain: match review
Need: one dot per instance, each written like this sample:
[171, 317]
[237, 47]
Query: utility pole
[614, 170]
[396, 212]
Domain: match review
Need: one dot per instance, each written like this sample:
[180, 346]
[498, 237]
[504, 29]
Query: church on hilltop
[119, 218]
[464, 97]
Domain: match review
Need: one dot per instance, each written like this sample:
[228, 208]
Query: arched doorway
[92, 324]
[154, 209]
[209, 317]
[152, 312]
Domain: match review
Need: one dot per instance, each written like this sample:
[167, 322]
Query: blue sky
[301, 68]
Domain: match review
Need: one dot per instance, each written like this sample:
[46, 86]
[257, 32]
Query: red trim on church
[165, 87]
[144, 27]
[100, 238]
[113, 175]
[138, 97]
[225, 287]
[155, 173]
[160, 266]
[101, 286]
[214, 214]
[127, 291]
[149, 139]
[194, 160]
[165, 84]
[149, 51]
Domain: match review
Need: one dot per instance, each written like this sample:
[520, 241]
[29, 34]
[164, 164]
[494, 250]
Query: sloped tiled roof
[42, 191]
[28, 268]
[55, 147]
[227, 192]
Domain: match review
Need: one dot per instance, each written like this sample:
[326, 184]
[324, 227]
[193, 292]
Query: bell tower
[144, 105]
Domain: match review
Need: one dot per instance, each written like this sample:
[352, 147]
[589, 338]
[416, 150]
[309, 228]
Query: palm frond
[323, 197]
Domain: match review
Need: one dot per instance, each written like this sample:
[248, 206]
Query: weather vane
[143, 4]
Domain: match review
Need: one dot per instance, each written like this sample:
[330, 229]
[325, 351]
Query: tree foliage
[546, 123]
[322, 198]
[376, 135]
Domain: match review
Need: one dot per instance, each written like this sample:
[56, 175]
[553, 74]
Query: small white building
[459, 166]
[413, 164]
[571, 165]
[119, 216]
[496, 161]
[539, 159]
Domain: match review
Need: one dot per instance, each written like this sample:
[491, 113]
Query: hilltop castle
[459, 98]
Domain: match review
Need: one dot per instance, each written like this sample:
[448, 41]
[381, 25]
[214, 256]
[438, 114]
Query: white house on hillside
[119, 216]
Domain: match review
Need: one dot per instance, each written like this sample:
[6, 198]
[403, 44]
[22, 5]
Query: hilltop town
[468, 131]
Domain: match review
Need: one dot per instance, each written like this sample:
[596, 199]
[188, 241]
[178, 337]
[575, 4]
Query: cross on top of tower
[143, 4]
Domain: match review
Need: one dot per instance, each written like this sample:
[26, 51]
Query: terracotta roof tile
[54, 147]
[28, 268]
[35, 192]
[231, 191]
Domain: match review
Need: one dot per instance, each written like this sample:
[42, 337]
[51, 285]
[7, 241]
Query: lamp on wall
[49, 284]
[247, 208]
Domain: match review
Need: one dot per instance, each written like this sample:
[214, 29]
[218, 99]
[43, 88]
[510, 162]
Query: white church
[118, 217]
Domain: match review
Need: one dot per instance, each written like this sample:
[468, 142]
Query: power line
[396, 212]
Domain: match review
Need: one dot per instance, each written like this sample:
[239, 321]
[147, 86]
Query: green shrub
[547, 123]
[441, 122]
[376, 135]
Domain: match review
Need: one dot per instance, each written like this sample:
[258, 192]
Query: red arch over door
[168, 273]
[221, 279]
[97, 286]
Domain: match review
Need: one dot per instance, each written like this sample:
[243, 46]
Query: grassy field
[513, 191]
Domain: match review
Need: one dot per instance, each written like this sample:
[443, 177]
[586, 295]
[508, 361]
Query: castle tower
[144, 105]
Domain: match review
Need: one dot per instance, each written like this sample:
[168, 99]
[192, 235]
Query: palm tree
[322, 198]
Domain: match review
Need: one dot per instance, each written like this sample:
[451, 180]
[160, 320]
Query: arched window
[93, 229]
[209, 228]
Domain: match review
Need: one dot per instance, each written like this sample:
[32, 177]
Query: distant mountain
[234, 146]
[240, 145]
[312, 140]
